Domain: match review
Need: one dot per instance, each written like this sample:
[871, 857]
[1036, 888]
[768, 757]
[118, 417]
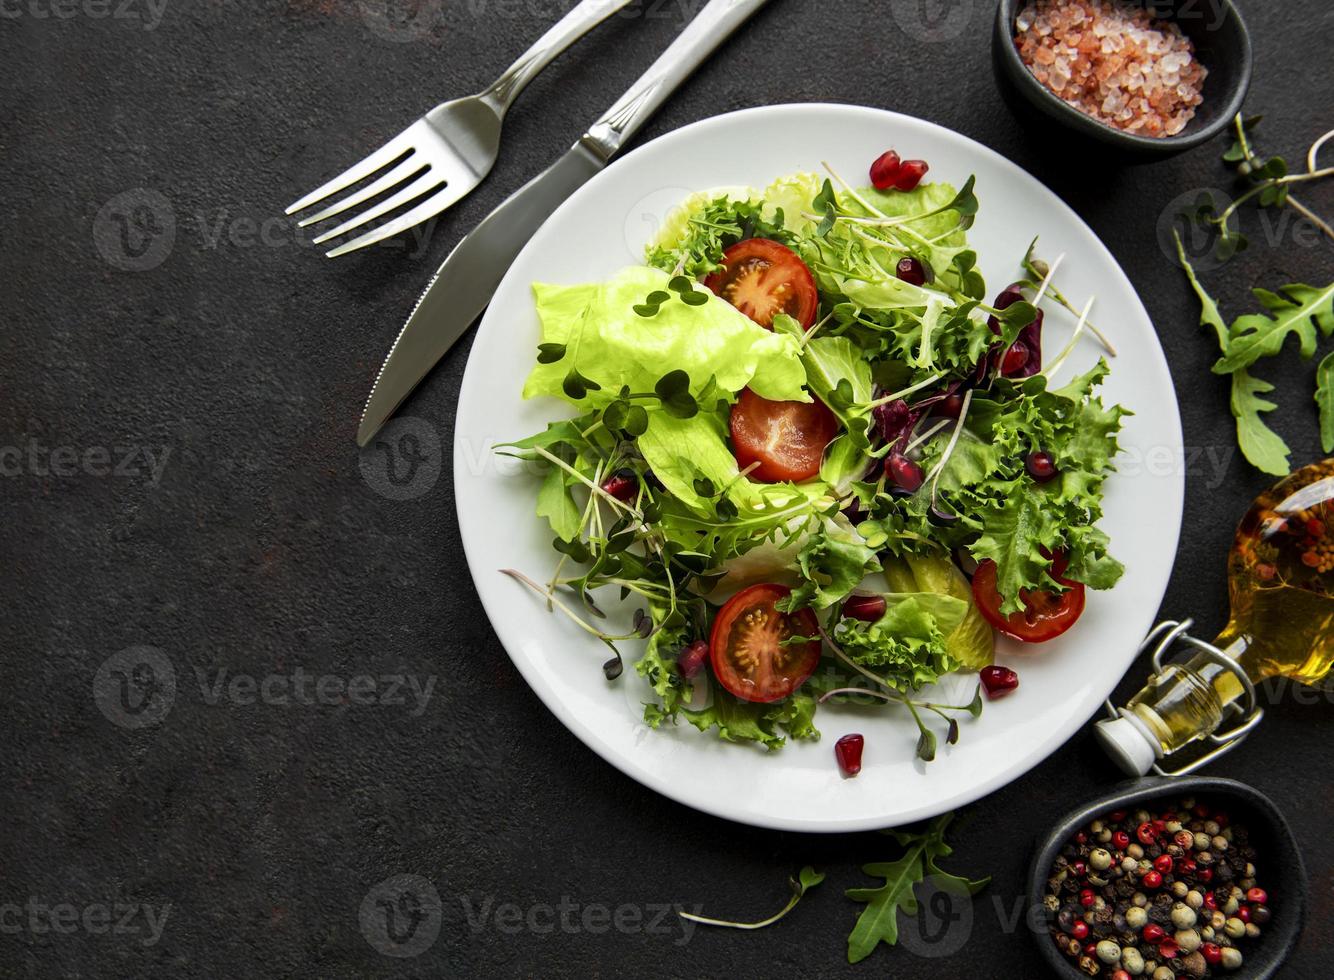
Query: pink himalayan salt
[1113, 62]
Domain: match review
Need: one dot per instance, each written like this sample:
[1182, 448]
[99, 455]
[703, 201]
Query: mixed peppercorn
[1165, 896]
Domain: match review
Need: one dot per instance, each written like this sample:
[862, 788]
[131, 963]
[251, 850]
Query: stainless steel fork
[446, 153]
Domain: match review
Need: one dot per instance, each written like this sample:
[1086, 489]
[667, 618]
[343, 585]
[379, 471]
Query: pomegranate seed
[1080, 930]
[1169, 949]
[1087, 898]
[1163, 863]
[950, 406]
[1212, 953]
[885, 170]
[1153, 933]
[998, 681]
[1257, 896]
[1121, 839]
[1145, 833]
[1015, 359]
[623, 485]
[848, 752]
[910, 174]
[903, 472]
[1152, 879]
[1244, 913]
[1041, 466]
[691, 660]
[867, 608]
[911, 271]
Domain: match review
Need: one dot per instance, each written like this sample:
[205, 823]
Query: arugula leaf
[800, 883]
[1260, 444]
[879, 921]
[1298, 309]
[1324, 398]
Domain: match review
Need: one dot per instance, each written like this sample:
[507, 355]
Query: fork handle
[714, 24]
[570, 28]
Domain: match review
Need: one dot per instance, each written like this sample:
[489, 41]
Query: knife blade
[464, 284]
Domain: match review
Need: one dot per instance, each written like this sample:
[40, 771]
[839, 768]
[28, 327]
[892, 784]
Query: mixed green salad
[819, 463]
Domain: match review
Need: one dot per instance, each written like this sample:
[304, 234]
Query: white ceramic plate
[603, 228]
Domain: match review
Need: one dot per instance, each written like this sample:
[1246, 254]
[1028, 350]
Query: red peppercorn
[1087, 898]
[1079, 869]
[1145, 833]
[1186, 866]
[1206, 875]
[1169, 949]
[1152, 879]
[867, 608]
[998, 681]
[1163, 863]
[1121, 839]
[1212, 952]
[1080, 930]
[910, 174]
[848, 752]
[1120, 975]
[1091, 949]
[1257, 896]
[1210, 902]
[885, 170]
[1201, 811]
[1117, 816]
[1244, 913]
[1160, 825]
[1222, 820]
[1153, 933]
[1315, 527]
[1081, 838]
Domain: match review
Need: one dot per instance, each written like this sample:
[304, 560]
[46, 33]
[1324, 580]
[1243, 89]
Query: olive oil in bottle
[1281, 582]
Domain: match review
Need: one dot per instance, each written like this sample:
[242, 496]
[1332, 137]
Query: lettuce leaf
[608, 343]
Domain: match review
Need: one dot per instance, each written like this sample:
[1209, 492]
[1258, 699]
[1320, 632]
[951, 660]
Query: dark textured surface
[262, 548]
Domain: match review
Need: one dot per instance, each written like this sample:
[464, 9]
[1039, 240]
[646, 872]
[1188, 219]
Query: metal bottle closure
[1137, 750]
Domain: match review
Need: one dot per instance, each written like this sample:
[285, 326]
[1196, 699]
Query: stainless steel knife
[463, 286]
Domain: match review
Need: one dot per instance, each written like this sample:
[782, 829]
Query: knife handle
[574, 25]
[714, 24]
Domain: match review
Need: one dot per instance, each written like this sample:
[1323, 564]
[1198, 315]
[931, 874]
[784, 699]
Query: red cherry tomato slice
[787, 439]
[746, 646]
[1046, 614]
[763, 278]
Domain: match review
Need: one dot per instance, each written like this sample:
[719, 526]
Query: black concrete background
[262, 547]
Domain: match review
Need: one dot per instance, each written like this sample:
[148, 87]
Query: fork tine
[426, 182]
[382, 157]
[410, 167]
[428, 209]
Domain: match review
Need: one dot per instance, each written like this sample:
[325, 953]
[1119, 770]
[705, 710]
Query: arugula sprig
[800, 883]
[879, 921]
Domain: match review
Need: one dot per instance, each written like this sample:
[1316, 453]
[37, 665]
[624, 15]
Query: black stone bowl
[1282, 872]
[1222, 45]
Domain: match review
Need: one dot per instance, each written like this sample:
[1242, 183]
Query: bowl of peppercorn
[1194, 877]
[1149, 78]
